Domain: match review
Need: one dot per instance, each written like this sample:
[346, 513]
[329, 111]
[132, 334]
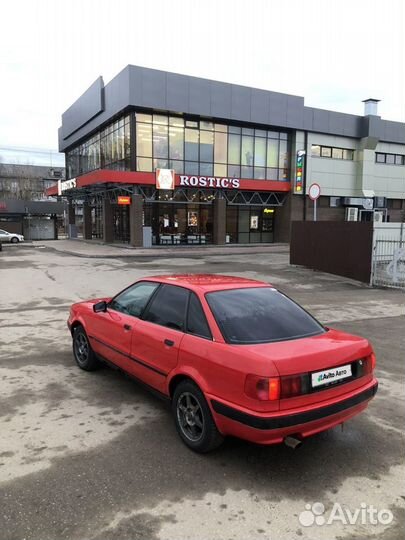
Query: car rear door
[157, 337]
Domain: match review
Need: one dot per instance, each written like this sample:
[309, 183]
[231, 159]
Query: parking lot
[92, 456]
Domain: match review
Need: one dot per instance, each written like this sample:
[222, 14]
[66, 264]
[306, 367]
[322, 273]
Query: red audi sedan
[234, 356]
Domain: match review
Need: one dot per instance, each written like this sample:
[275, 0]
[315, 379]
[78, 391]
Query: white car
[10, 237]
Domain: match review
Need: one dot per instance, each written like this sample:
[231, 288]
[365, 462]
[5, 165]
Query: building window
[189, 146]
[390, 159]
[399, 160]
[316, 150]
[348, 154]
[204, 148]
[143, 140]
[331, 152]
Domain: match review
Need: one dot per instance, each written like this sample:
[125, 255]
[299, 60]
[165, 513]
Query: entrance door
[121, 223]
[174, 224]
[250, 224]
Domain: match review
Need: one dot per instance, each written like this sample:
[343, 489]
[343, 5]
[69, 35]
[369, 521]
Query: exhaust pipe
[292, 442]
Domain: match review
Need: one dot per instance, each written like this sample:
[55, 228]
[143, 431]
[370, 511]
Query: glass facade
[175, 224]
[108, 149]
[193, 147]
[249, 224]
[205, 148]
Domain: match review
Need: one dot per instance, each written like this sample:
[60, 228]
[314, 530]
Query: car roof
[208, 282]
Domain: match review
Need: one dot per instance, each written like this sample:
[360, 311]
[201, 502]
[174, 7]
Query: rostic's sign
[209, 182]
[64, 185]
[165, 178]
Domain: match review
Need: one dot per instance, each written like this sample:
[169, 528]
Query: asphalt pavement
[92, 456]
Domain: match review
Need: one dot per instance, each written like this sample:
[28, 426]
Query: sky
[334, 53]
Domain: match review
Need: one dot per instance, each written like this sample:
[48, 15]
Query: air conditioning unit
[352, 201]
[352, 214]
[380, 202]
[378, 217]
[334, 202]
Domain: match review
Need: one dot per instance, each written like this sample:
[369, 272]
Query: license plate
[331, 375]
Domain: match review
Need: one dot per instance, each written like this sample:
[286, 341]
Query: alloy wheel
[190, 416]
[81, 348]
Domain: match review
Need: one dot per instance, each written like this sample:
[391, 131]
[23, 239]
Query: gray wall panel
[89, 104]
[259, 106]
[142, 87]
[135, 85]
[154, 89]
[336, 123]
[295, 112]
[352, 125]
[177, 92]
[199, 97]
[240, 103]
[116, 95]
[278, 109]
[220, 99]
[309, 118]
[393, 131]
[321, 121]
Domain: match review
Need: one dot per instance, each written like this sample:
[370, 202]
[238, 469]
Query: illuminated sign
[165, 178]
[64, 185]
[299, 172]
[209, 181]
[124, 200]
[268, 211]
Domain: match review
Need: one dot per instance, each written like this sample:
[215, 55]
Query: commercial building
[188, 160]
[24, 208]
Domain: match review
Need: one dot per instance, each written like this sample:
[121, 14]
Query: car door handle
[169, 342]
[127, 327]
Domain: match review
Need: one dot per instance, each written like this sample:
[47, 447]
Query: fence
[343, 248]
[388, 257]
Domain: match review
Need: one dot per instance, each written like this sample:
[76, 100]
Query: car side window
[133, 300]
[196, 320]
[168, 308]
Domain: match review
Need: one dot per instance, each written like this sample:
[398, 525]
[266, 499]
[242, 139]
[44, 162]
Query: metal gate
[388, 263]
[39, 228]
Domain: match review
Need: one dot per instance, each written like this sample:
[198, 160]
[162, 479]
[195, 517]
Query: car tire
[14, 240]
[82, 351]
[193, 418]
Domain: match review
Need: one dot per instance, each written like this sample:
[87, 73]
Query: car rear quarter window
[168, 307]
[260, 315]
[196, 321]
[133, 300]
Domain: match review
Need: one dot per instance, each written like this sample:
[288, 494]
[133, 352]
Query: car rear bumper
[270, 429]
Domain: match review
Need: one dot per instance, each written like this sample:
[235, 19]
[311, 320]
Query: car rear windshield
[260, 315]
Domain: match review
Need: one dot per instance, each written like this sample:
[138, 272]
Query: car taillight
[262, 388]
[292, 386]
[370, 363]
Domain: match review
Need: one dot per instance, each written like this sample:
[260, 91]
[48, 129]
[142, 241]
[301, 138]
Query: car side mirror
[100, 307]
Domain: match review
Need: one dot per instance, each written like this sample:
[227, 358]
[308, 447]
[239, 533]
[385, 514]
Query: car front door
[111, 331]
[158, 335]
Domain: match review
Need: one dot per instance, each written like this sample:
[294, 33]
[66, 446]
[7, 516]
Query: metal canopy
[94, 195]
